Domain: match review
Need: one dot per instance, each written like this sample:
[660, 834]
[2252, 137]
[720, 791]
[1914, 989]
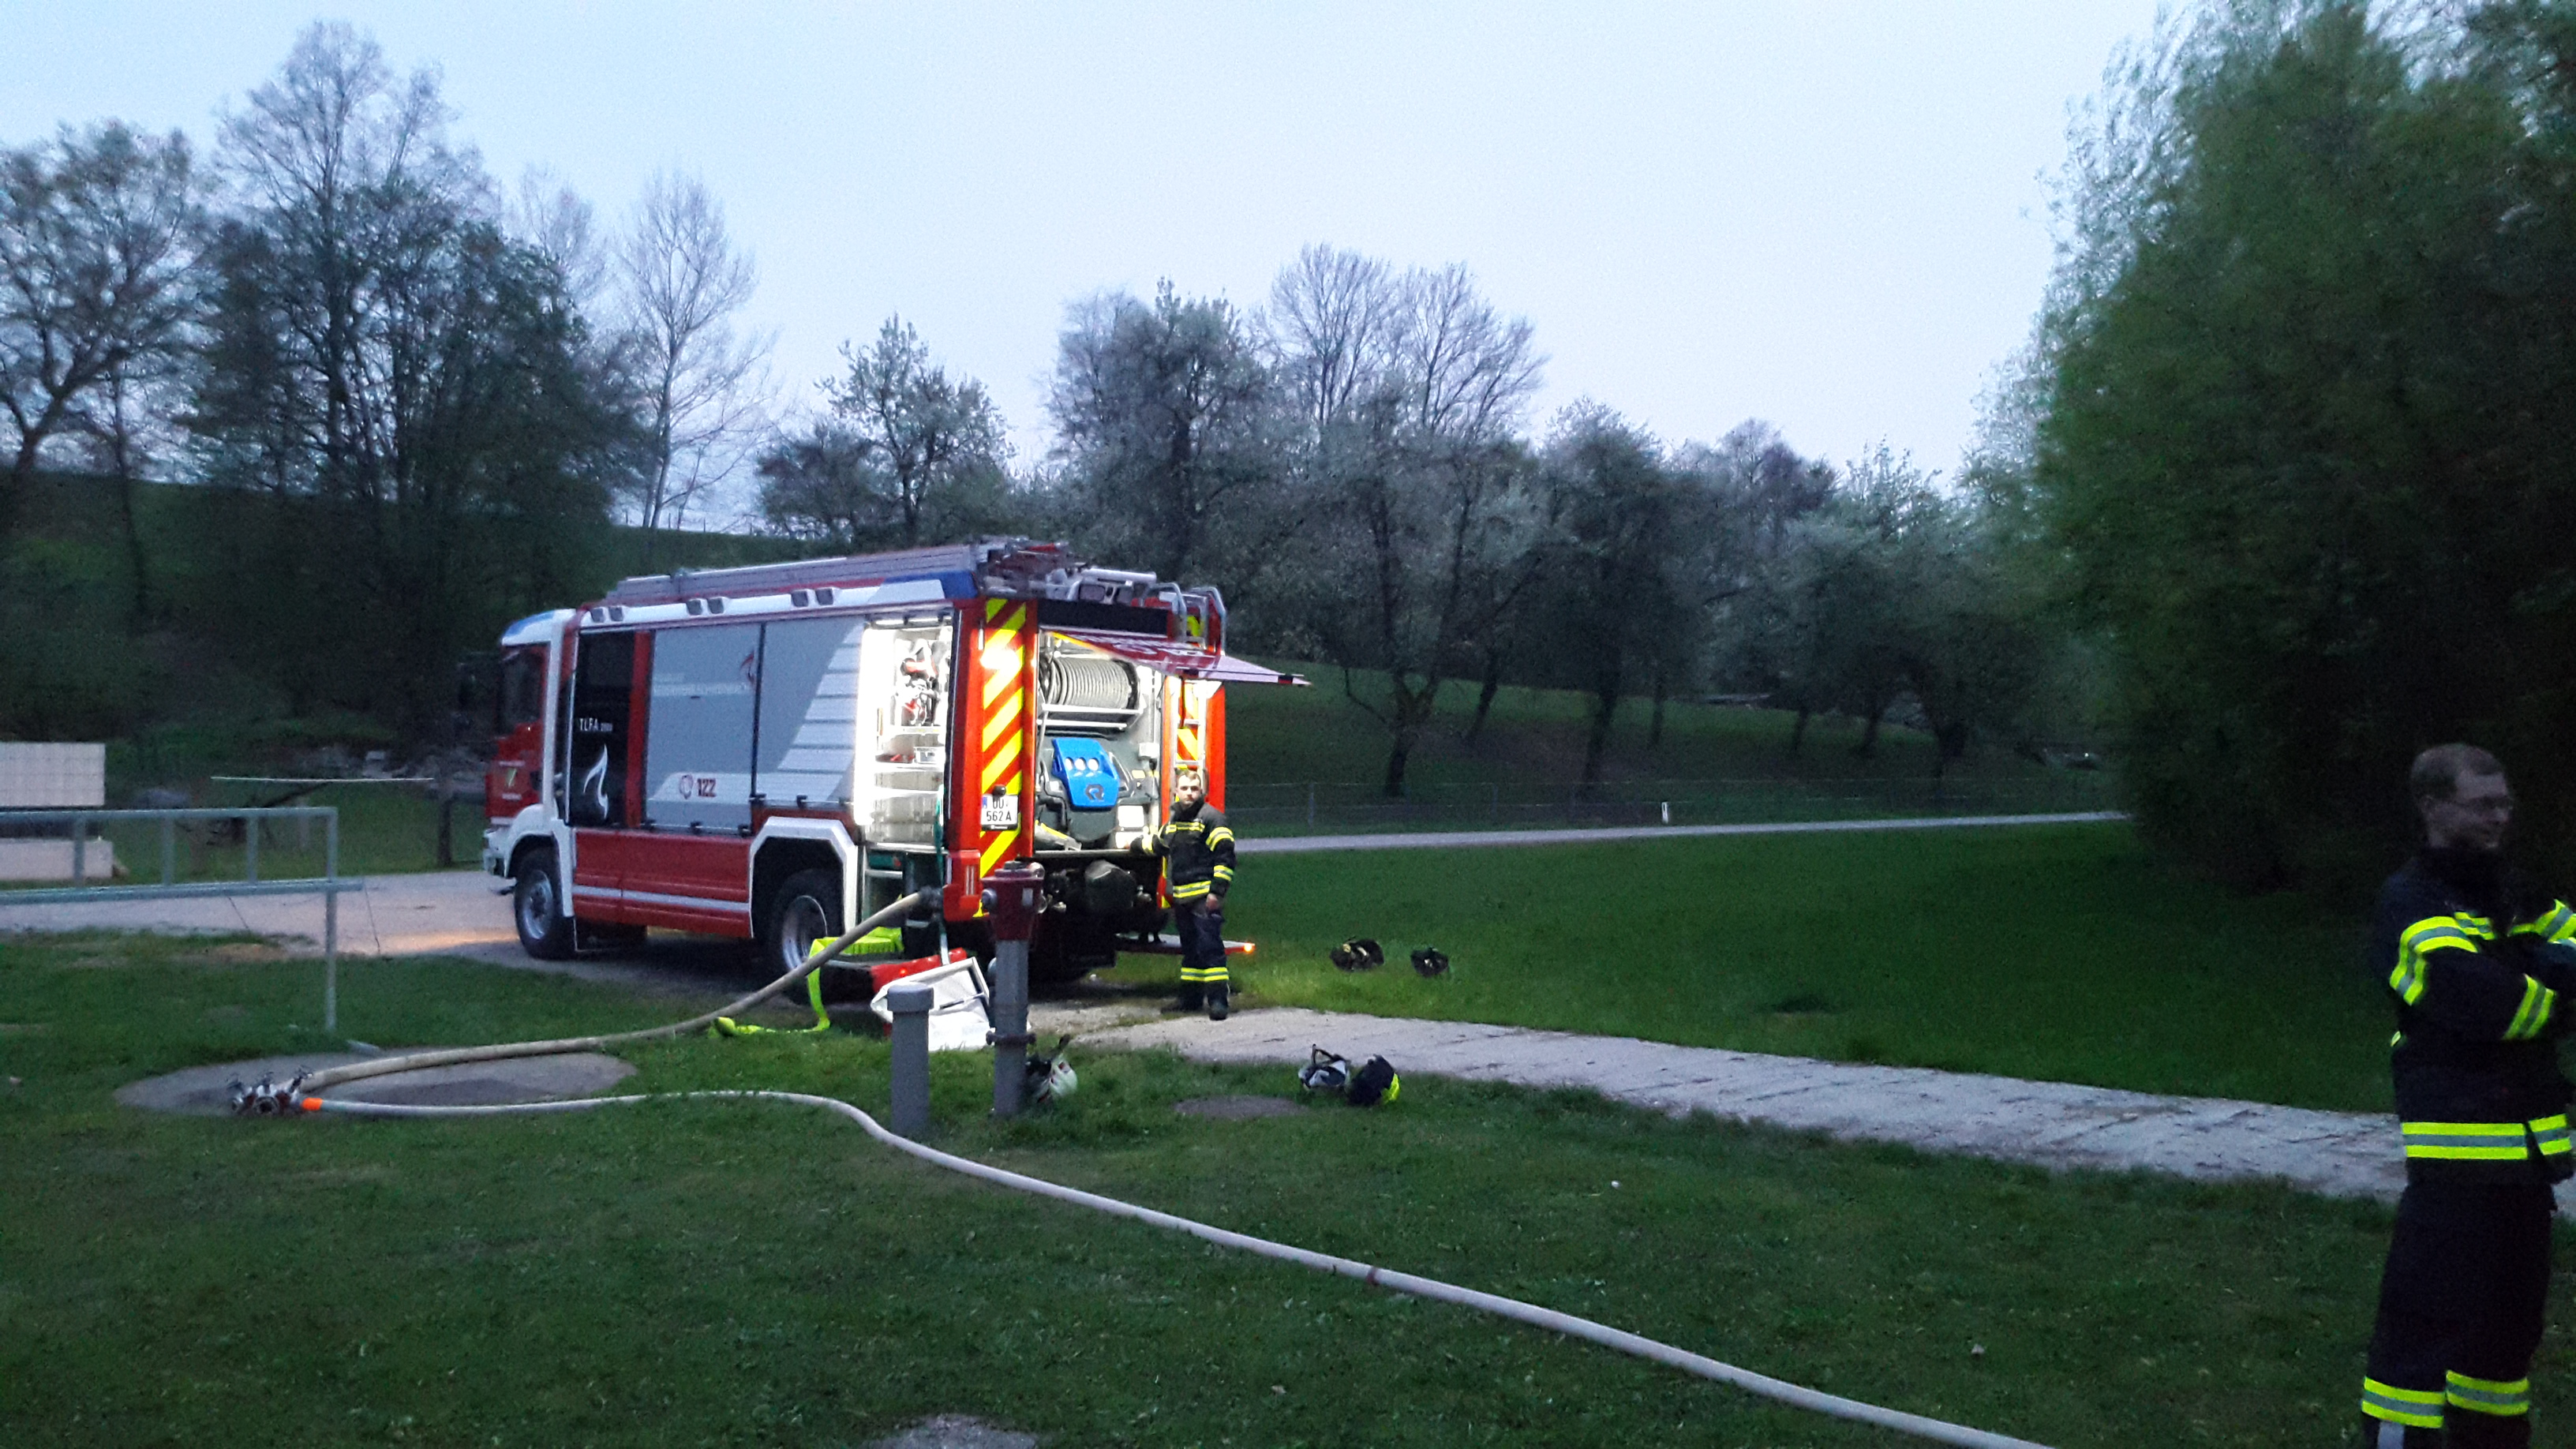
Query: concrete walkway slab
[2340, 1154]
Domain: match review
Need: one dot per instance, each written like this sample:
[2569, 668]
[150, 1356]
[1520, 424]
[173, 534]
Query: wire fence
[1345, 806]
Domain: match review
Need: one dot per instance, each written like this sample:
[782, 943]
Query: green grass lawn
[2062, 953]
[1312, 758]
[749, 1275]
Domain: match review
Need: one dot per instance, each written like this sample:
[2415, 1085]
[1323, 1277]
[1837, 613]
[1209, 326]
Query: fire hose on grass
[298, 1095]
[267, 1098]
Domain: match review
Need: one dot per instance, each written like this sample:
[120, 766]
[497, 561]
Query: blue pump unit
[1090, 774]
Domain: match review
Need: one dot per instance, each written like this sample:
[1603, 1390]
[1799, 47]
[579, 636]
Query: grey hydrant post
[1011, 898]
[911, 1008]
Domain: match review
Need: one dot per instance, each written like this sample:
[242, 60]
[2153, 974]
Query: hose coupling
[268, 1097]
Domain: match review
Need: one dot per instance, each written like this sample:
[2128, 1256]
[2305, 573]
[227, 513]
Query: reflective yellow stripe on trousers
[2487, 1141]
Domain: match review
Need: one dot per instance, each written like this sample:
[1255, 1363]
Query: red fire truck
[769, 752]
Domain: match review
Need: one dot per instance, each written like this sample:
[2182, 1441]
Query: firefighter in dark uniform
[2484, 975]
[1198, 865]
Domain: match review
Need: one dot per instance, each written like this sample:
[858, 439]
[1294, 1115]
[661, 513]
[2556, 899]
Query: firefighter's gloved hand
[1208, 905]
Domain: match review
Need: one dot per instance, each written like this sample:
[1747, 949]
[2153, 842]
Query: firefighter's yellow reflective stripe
[2552, 1135]
[2466, 1141]
[1225, 872]
[2396, 1039]
[2490, 1396]
[2415, 1408]
[1191, 975]
[2555, 924]
[1222, 835]
[2478, 926]
[998, 851]
[1189, 890]
[1185, 827]
[2528, 1019]
[2434, 933]
[2433, 928]
[2558, 923]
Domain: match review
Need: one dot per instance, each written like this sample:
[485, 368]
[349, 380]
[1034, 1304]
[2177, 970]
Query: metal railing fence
[166, 822]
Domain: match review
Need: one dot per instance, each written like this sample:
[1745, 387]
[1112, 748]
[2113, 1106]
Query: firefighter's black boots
[1217, 1004]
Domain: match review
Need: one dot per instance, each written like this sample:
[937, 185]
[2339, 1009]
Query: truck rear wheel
[536, 905]
[806, 909]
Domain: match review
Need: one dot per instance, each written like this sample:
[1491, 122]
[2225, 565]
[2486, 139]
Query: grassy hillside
[1286, 747]
[127, 610]
[150, 631]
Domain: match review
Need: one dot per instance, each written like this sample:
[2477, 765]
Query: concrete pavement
[2051, 1124]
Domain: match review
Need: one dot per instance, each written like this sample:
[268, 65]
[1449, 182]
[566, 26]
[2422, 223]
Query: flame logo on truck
[594, 786]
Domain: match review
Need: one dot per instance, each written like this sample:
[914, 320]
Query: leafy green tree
[2311, 410]
[1621, 567]
[1166, 429]
[404, 383]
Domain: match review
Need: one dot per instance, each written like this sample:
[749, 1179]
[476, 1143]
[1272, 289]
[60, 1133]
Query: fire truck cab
[772, 752]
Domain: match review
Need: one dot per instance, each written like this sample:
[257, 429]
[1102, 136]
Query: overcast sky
[1829, 215]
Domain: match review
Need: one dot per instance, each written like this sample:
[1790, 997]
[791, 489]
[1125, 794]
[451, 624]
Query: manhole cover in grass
[207, 1091]
[1236, 1108]
[957, 1431]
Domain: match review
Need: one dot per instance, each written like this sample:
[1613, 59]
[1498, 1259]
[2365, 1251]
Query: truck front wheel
[536, 904]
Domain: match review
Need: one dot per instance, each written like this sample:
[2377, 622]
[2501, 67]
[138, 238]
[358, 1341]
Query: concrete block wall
[53, 777]
[51, 860]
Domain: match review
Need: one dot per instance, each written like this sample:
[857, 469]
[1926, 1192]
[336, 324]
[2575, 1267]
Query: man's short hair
[2438, 771]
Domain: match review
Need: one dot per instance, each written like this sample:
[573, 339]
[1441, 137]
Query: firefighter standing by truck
[1198, 867]
[2484, 976]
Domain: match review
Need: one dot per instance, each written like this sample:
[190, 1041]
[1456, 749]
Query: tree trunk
[1605, 707]
[1408, 711]
[1397, 754]
[1868, 746]
[125, 487]
[1655, 729]
[1493, 685]
[1798, 731]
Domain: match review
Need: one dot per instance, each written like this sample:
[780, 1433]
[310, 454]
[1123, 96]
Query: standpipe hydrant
[1011, 897]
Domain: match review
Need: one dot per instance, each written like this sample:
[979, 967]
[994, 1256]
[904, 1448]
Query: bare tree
[96, 232]
[1331, 327]
[701, 385]
[1409, 389]
[552, 219]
